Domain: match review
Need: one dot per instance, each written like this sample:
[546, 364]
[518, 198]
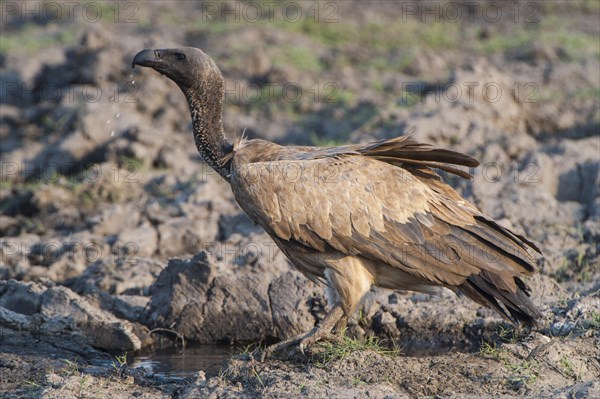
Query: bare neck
[205, 107]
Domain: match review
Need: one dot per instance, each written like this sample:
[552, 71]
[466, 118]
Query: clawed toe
[322, 336]
[313, 338]
[303, 342]
[267, 352]
[334, 320]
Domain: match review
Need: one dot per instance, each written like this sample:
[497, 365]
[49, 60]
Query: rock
[545, 290]
[187, 234]
[585, 309]
[539, 169]
[14, 320]
[115, 218]
[54, 310]
[385, 324]
[14, 254]
[256, 253]
[190, 300]
[138, 242]
[422, 323]
[130, 275]
[504, 198]
[103, 330]
[180, 284]
[22, 298]
[58, 258]
[239, 223]
[291, 297]
[57, 204]
[10, 93]
[237, 310]
[128, 307]
[578, 169]
[117, 336]
[9, 226]
[176, 159]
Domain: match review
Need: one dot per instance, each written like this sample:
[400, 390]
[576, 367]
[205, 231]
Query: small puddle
[173, 362]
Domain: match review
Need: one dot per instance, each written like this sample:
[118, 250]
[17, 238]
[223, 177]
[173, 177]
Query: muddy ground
[113, 231]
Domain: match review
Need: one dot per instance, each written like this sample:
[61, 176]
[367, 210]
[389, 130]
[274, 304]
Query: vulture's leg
[321, 331]
[348, 281]
[340, 326]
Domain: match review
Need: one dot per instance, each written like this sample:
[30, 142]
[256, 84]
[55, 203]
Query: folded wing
[403, 217]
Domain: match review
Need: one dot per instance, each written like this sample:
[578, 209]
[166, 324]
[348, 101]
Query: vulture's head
[186, 66]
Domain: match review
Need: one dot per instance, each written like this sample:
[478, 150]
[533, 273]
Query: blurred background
[515, 84]
[101, 183]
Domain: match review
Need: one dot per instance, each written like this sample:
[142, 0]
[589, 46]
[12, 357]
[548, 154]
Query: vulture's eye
[180, 56]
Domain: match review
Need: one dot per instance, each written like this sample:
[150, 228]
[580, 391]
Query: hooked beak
[147, 58]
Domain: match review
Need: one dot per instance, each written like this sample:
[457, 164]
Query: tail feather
[516, 307]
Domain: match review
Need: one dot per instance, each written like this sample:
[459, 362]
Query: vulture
[359, 215]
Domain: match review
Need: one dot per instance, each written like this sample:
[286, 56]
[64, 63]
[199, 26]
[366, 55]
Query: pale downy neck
[205, 104]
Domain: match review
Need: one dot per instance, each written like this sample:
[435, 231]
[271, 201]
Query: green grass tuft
[301, 58]
[341, 350]
[33, 38]
[119, 362]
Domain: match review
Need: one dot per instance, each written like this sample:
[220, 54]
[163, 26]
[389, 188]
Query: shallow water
[174, 362]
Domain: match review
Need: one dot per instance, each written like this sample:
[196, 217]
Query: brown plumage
[358, 215]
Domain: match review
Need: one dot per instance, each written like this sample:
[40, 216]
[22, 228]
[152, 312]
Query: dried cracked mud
[116, 238]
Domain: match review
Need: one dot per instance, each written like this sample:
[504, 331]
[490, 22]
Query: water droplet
[112, 133]
[108, 122]
[118, 114]
[133, 82]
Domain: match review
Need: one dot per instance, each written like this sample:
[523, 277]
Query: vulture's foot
[324, 331]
